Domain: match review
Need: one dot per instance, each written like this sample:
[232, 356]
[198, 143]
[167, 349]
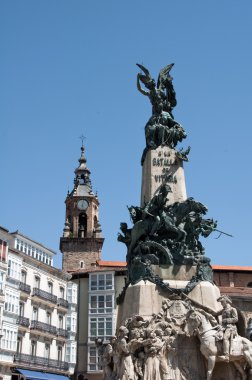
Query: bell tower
[81, 243]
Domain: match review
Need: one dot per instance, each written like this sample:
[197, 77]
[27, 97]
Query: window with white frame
[39, 255]
[48, 318]
[9, 338]
[14, 267]
[19, 345]
[43, 257]
[21, 309]
[70, 356]
[35, 313]
[71, 321]
[47, 351]
[93, 359]
[101, 303]
[2, 281]
[62, 292]
[30, 250]
[11, 301]
[33, 348]
[17, 244]
[100, 327]
[3, 250]
[59, 355]
[37, 282]
[72, 293]
[23, 276]
[61, 321]
[101, 281]
[50, 287]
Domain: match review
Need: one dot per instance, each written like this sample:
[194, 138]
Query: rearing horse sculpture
[171, 221]
[199, 324]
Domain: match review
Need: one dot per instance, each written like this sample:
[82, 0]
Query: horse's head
[134, 213]
[193, 322]
[198, 207]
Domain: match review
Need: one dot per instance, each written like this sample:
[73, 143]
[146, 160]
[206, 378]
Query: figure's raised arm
[144, 70]
[146, 93]
[145, 78]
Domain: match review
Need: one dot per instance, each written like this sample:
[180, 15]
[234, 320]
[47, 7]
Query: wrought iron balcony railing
[62, 302]
[36, 325]
[62, 332]
[44, 295]
[23, 321]
[40, 361]
[25, 287]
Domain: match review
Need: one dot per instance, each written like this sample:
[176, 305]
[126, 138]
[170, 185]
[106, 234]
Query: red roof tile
[103, 263]
[231, 268]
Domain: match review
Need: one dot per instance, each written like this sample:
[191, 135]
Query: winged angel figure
[162, 96]
[161, 129]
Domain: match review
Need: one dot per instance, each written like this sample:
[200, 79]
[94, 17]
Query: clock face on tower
[82, 204]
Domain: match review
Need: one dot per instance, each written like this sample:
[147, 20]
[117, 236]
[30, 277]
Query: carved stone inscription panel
[162, 165]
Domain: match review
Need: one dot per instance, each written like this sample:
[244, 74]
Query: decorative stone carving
[215, 338]
[147, 348]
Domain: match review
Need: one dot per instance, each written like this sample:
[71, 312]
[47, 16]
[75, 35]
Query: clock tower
[81, 243]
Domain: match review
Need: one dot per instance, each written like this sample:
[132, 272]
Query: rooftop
[102, 263]
[18, 233]
[102, 266]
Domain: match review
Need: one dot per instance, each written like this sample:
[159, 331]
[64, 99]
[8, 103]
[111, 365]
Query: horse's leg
[210, 366]
[248, 356]
[181, 233]
[239, 368]
[250, 374]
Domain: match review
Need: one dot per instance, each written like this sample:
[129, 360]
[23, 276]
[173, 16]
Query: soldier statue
[229, 320]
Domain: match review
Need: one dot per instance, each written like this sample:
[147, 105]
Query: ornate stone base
[175, 272]
[145, 299]
[146, 308]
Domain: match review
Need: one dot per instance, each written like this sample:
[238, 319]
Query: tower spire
[82, 241]
[82, 181]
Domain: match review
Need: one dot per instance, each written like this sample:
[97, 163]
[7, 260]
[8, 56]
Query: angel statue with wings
[162, 96]
[161, 129]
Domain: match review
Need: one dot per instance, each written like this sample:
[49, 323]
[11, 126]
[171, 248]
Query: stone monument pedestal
[145, 299]
[186, 362]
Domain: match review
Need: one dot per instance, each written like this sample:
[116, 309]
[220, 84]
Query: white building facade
[38, 328]
[8, 328]
[97, 313]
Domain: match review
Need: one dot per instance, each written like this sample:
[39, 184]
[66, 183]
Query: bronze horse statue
[170, 221]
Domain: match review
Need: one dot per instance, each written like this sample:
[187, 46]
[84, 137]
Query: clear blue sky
[69, 68]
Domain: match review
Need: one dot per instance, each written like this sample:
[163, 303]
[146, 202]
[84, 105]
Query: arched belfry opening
[82, 230]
